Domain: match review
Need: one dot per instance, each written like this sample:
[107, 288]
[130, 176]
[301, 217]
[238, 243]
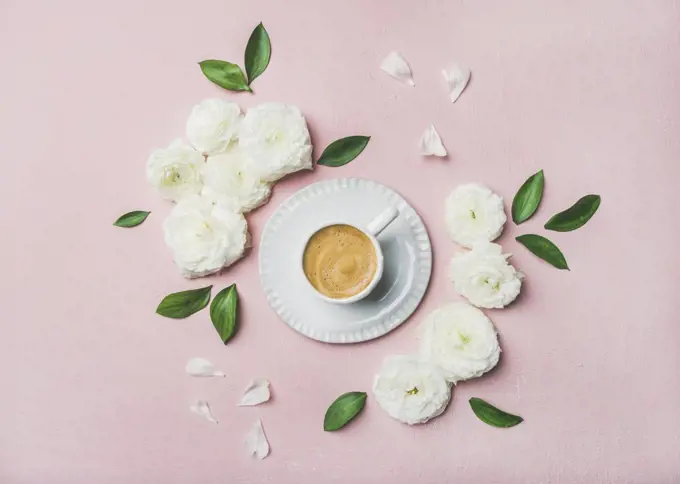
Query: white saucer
[405, 243]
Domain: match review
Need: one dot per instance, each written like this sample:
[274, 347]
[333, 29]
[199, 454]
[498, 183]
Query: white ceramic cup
[372, 230]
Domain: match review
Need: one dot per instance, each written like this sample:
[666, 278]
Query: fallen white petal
[202, 408]
[256, 393]
[201, 367]
[431, 143]
[396, 66]
[457, 77]
[256, 441]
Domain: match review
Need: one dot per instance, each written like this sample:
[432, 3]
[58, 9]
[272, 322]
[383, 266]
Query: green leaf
[342, 151]
[543, 248]
[224, 312]
[528, 198]
[179, 305]
[225, 74]
[343, 410]
[575, 216]
[131, 219]
[258, 53]
[493, 416]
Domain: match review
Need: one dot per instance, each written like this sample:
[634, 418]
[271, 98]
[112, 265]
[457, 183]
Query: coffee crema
[340, 261]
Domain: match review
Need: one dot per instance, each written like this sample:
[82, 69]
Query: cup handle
[381, 222]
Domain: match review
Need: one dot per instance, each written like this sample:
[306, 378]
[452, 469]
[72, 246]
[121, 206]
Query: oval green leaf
[179, 305]
[493, 416]
[528, 198]
[575, 216]
[342, 151]
[258, 53]
[345, 408]
[225, 74]
[131, 219]
[543, 248]
[224, 312]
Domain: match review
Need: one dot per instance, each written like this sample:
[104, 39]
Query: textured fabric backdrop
[93, 383]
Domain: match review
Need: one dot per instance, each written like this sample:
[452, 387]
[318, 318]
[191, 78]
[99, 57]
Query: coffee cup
[343, 263]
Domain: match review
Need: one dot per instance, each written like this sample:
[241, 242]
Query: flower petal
[256, 441]
[396, 66]
[457, 77]
[200, 367]
[202, 408]
[431, 143]
[256, 393]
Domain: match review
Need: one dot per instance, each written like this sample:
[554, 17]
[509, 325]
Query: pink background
[93, 383]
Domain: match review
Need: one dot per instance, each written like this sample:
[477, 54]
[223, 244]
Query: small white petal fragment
[256, 441]
[396, 66]
[431, 143]
[200, 367]
[457, 77]
[256, 393]
[202, 408]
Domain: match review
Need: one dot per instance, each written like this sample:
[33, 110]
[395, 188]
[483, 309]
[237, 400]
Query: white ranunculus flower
[460, 340]
[276, 137]
[410, 389]
[230, 176]
[484, 277]
[474, 213]
[205, 236]
[175, 172]
[213, 125]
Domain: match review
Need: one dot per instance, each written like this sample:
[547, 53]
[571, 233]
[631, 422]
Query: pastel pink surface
[93, 381]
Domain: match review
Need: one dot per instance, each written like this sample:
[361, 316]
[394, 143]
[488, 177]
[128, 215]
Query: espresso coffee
[340, 261]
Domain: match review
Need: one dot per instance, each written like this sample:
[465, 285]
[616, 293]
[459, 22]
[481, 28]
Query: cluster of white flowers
[458, 341]
[224, 171]
[475, 217]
